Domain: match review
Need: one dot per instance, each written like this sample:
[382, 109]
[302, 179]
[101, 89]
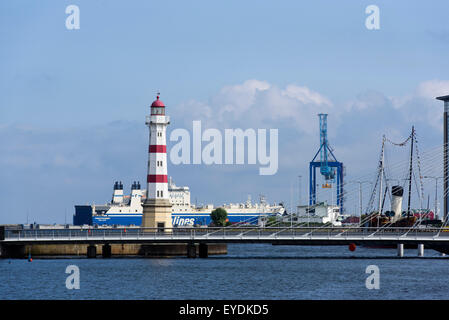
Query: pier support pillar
[92, 251]
[204, 250]
[400, 250]
[191, 250]
[106, 251]
[2, 253]
[420, 250]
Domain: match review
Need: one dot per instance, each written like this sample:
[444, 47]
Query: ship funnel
[135, 186]
[117, 196]
[396, 202]
[136, 196]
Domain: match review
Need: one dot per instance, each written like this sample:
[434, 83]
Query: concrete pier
[420, 250]
[92, 251]
[156, 250]
[400, 250]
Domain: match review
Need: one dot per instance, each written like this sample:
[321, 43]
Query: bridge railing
[215, 233]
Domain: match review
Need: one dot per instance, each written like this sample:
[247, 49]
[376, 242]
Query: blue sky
[73, 102]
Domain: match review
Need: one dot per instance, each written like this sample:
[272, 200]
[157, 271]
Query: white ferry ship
[126, 210]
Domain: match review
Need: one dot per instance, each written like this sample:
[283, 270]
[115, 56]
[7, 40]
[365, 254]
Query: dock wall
[129, 249]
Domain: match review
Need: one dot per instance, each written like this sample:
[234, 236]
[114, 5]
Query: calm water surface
[247, 272]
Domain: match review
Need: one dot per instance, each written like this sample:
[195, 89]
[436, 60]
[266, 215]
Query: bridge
[435, 238]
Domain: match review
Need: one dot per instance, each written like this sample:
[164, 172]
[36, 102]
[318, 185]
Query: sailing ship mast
[410, 172]
[381, 174]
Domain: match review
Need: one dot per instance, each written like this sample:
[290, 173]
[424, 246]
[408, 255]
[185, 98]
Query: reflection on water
[161, 262]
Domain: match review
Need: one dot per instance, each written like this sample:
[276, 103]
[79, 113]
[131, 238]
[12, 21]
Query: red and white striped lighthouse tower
[157, 207]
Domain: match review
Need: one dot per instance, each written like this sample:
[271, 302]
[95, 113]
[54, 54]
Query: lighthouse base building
[157, 214]
[157, 206]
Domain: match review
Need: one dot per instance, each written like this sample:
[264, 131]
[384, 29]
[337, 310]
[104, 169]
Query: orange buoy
[352, 247]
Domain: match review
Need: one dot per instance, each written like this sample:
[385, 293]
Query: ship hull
[178, 219]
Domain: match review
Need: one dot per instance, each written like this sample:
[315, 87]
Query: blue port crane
[330, 168]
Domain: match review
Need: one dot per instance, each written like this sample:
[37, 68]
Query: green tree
[219, 217]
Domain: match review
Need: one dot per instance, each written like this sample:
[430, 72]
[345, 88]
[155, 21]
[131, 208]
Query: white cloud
[355, 126]
[259, 104]
[305, 95]
[433, 88]
[420, 106]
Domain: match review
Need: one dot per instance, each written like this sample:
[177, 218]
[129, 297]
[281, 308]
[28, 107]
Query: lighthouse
[157, 206]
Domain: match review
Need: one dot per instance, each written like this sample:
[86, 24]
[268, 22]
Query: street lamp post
[360, 193]
[436, 193]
